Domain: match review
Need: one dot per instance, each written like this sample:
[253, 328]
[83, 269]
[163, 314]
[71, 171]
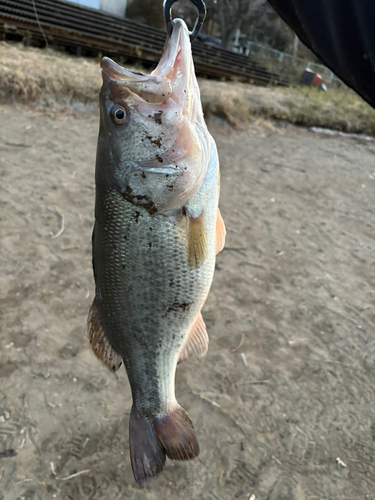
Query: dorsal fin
[197, 343]
[99, 342]
[220, 232]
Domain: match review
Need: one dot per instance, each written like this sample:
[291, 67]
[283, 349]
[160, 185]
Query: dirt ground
[284, 402]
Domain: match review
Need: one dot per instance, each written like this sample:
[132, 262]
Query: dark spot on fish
[183, 211]
[125, 237]
[170, 187]
[150, 228]
[171, 282]
[157, 117]
[154, 141]
[176, 306]
[139, 200]
[123, 266]
[143, 175]
[166, 176]
[136, 216]
[159, 158]
[185, 91]
[150, 244]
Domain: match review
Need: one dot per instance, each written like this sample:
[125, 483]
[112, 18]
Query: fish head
[152, 126]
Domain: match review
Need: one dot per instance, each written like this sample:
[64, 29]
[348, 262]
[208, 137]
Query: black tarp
[341, 33]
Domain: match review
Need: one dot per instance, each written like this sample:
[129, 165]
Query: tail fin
[146, 453]
[177, 436]
[152, 440]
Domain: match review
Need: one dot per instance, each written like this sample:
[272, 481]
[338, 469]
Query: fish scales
[148, 288]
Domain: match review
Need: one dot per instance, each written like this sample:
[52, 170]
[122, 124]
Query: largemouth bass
[157, 232]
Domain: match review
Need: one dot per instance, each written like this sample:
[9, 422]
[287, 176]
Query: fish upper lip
[116, 72]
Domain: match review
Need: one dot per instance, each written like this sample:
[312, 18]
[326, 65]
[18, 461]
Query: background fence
[289, 67]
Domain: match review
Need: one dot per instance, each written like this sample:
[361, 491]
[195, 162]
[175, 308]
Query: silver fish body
[157, 231]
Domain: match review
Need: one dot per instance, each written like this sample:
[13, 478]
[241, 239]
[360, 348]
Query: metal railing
[283, 63]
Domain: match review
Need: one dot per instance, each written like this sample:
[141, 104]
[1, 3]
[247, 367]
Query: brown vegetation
[47, 78]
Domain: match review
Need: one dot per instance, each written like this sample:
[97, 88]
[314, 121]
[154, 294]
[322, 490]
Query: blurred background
[242, 26]
[241, 41]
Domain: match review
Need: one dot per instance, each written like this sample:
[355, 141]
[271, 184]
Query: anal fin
[197, 343]
[99, 342]
[196, 240]
[220, 232]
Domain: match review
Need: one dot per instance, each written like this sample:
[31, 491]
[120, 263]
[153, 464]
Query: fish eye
[119, 114]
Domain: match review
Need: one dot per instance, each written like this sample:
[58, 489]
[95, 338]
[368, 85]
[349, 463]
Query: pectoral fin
[196, 239]
[220, 232]
[197, 343]
[99, 342]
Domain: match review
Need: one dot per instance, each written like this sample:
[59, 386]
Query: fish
[156, 234]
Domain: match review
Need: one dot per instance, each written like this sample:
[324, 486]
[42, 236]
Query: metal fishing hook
[202, 11]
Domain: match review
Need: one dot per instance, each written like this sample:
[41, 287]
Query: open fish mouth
[169, 80]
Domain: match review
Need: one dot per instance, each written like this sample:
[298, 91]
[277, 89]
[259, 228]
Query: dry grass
[46, 78]
[338, 109]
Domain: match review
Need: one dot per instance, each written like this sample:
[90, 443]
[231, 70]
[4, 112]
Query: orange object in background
[310, 78]
[317, 80]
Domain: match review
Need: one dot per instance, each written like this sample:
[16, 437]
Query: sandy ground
[283, 404]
